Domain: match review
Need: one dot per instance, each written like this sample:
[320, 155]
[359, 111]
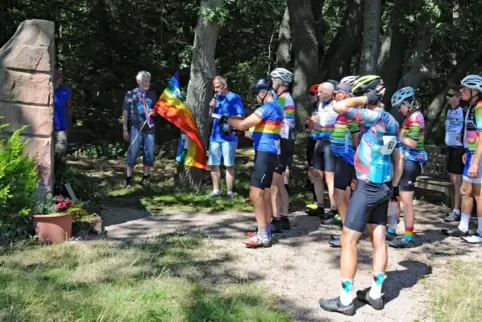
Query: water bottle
[393, 214]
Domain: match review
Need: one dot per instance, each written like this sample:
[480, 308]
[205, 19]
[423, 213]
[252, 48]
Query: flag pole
[130, 146]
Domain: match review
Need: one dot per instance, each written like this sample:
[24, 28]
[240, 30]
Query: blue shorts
[147, 141]
[224, 150]
[478, 179]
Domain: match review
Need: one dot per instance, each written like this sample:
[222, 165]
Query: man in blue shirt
[62, 119]
[137, 109]
[223, 140]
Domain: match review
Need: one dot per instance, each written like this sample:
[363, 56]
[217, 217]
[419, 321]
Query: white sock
[480, 226]
[229, 193]
[464, 222]
[456, 211]
[346, 296]
[377, 283]
[216, 191]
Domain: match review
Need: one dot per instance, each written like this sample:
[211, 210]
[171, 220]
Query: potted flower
[52, 217]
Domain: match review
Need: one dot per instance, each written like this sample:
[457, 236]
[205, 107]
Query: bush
[18, 182]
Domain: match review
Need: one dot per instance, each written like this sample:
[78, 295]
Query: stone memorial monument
[27, 63]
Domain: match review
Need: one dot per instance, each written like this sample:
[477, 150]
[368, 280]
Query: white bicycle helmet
[402, 95]
[349, 79]
[473, 82]
[283, 74]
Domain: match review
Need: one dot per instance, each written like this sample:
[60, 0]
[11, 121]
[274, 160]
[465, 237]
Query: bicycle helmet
[366, 83]
[314, 88]
[332, 81]
[473, 82]
[402, 95]
[283, 74]
[261, 84]
[349, 79]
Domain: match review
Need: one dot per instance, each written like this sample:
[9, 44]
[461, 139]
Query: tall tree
[203, 69]
[305, 54]
[283, 56]
[371, 36]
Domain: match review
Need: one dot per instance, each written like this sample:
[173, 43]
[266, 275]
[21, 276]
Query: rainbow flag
[171, 106]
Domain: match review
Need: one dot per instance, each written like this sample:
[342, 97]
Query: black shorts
[454, 159]
[323, 157]
[287, 148]
[310, 149]
[411, 170]
[368, 205]
[264, 166]
[344, 173]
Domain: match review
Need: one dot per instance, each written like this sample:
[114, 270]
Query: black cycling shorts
[454, 159]
[264, 166]
[344, 173]
[287, 148]
[323, 157]
[310, 149]
[411, 170]
[368, 205]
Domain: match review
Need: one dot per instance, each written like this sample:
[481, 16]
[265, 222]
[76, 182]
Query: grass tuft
[154, 280]
[459, 298]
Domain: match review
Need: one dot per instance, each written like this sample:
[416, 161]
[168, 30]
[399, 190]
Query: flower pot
[55, 228]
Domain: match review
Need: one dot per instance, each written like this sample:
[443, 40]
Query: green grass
[459, 297]
[164, 194]
[159, 280]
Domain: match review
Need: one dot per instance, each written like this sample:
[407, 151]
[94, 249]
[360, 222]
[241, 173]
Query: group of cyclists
[366, 159]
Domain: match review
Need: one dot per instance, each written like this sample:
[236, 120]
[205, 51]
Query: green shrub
[84, 187]
[18, 182]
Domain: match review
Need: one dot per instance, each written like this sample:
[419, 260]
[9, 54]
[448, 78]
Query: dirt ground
[301, 267]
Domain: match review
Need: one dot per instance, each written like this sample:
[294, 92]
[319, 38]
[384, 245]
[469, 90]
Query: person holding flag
[137, 110]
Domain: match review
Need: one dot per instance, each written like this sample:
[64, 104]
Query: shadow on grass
[171, 277]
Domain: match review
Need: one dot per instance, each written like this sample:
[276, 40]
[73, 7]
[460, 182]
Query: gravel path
[301, 267]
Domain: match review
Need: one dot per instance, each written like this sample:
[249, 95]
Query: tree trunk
[371, 37]
[305, 54]
[336, 63]
[283, 56]
[392, 53]
[436, 106]
[203, 70]
[317, 8]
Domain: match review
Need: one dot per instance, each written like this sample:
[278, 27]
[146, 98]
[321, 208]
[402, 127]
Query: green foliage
[93, 151]
[43, 203]
[84, 187]
[218, 15]
[18, 179]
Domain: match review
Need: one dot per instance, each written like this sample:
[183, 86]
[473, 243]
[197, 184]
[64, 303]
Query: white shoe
[474, 239]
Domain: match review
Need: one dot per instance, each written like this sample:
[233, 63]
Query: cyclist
[414, 155]
[454, 129]
[266, 121]
[344, 142]
[281, 80]
[310, 148]
[322, 123]
[472, 178]
[378, 167]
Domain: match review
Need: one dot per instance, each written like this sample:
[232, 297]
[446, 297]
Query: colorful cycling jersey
[288, 125]
[342, 138]
[414, 128]
[328, 117]
[266, 133]
[473, 125]
[454, 126]
[373, 157]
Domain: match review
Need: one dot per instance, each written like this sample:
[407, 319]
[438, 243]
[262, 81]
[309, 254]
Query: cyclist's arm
[397, 160]
[355, 133]
[348, 108]
[478, 124]
[251, 121]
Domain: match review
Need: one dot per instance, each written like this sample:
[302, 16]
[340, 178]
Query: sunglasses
[313, 94]
[450, 95]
